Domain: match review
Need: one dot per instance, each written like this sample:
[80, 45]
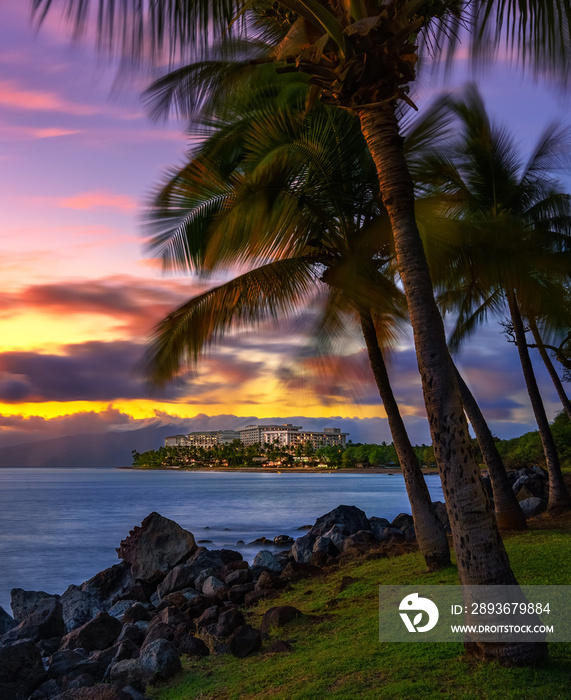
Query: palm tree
[361, 55]
[510, 222]
[338, 217]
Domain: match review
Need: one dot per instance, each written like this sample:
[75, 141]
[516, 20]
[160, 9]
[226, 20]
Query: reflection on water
[60, 526]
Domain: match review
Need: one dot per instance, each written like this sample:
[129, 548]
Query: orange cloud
[99, 199]
[13, 96]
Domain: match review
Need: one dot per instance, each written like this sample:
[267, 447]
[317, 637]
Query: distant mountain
[90, 450]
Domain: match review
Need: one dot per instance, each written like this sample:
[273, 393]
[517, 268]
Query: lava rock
[182, 576]
[533, 506]
[79, 606]
[238, 578]
[44, 621]
[214, 587]
[283, 541]
[245, 641]
[192, 646]
[22, 601]
[160, 660]
[279, 616]
[268, 560]
[302, 549]
[353, 518]
[158, 545]
[21, 670]
[99, 633]
[237, 594]
[6, 622]
[228, 622]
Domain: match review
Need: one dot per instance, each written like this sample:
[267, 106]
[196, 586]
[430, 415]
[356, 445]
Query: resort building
[294, 436]
[254, 434]
[204, 438]
[286, 435]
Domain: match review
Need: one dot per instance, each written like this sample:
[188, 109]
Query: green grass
[337, 655]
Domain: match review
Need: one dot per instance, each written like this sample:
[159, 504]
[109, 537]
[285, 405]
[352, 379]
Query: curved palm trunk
[508, 512]
[480, 553]
[550, 368]
[558, 495]
[430, 534]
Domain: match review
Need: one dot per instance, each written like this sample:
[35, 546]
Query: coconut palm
[322, 166]
[361, 55]
[509, 223]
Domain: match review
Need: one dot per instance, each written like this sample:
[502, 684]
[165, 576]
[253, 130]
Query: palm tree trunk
[480, 553]
[558, 495]
[430, 534]
[550, 368]
[508, 512]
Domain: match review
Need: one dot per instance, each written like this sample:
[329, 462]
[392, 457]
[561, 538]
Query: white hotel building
[286, 435]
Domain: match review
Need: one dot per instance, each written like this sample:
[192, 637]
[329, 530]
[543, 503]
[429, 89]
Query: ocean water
[60, 526]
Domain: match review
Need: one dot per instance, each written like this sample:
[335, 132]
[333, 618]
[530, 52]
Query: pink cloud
[99, 199]
[13, 96]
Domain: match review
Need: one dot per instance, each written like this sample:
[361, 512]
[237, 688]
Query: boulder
[238, 578]
[214, 587]
[79, 606]
[270, 580]
[279, 616]
[268, 560]
[85, 680]
[279, 647]
[302, 549]
[132, 633]
[245, 641]
[208, 617]
[43, 621]
[126, 650]
[160, 660]
[353, 518]
[66, 662]
[113, 584]
[404, 522]
[182, 576]
[126, 672]
[363, 539]
[47, 690]
[192, 646]
[203, 575]
[377, 526]
[228, 622]
[228, 555]
[388, 534]
[237, 594]
[283, 541]
[21, 670]
[337, 534]
[119, 609]
[99, 633]
[158, 631]
[205, 559]
[533, 506]
[135, 613]
[22, 601]
[155, 547]
[325, 546]
[6, 621]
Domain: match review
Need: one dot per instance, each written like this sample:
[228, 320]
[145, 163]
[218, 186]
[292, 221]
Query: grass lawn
[338, 655]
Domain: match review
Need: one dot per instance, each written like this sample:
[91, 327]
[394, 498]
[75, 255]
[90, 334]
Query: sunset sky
[78, 299]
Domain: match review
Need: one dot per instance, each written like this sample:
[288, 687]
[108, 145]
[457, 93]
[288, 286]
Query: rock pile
[127, 627]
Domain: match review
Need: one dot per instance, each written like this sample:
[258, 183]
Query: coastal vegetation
[517, 453]
[337, 653]
[360, 57]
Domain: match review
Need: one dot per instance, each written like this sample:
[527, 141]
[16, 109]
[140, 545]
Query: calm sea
[60, 526]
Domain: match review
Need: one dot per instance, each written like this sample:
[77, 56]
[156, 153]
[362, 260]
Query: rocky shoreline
[128, 626]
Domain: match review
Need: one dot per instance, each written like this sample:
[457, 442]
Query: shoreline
[282, 470]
